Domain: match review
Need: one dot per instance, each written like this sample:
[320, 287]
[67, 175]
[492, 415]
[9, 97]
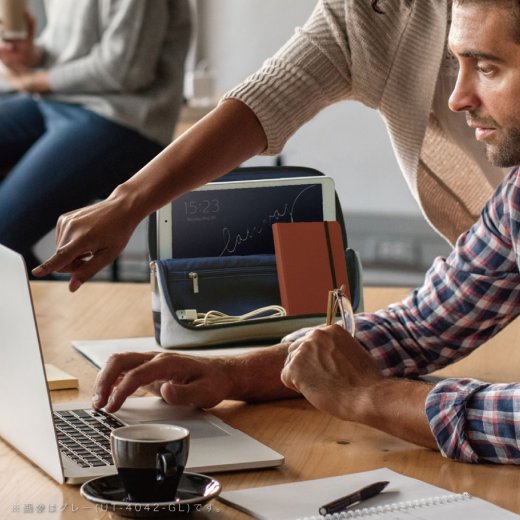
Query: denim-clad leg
[79, 157]
[21, 124]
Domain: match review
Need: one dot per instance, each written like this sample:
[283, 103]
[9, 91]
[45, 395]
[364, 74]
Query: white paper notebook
[405, 498]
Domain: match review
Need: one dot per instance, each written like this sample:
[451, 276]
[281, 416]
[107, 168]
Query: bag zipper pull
[153, 275]
[194, 277]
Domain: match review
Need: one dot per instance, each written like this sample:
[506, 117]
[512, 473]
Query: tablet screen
[238, 221]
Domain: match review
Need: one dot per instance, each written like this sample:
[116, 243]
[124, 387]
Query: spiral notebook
[405, 498]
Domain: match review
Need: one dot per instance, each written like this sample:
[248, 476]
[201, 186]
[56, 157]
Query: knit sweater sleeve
[311, 71]
[126, 57]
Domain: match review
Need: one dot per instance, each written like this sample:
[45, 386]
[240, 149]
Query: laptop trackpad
[155, 410]
[199, 429]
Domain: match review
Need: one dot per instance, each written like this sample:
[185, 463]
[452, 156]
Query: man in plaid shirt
[465, 299]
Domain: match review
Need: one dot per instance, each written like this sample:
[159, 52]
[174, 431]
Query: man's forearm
[256, 376]
[397, 407]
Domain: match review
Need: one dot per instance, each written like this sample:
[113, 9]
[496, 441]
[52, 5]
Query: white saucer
[195, 490]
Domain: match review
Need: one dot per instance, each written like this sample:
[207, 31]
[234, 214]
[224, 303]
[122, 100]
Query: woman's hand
[27, 80]
[89, 239]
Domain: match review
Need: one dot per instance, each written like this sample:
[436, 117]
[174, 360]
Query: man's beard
[505, 153]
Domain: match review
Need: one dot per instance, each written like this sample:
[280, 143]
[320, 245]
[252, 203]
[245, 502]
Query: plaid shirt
[465, 300]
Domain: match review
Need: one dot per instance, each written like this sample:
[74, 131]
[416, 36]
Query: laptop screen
[24, 398]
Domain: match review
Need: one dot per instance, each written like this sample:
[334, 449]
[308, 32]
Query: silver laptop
[54, 438]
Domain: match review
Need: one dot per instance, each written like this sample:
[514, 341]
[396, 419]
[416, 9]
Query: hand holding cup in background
[13, 24]
[150, 460]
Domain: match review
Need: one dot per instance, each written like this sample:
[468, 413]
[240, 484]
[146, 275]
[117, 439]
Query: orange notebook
[310, 261]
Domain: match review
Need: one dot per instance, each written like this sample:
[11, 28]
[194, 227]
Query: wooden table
[314, 444]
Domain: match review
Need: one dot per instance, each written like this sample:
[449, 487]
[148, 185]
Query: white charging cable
[202, 319]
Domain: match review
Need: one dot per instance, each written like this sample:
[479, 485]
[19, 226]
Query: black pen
[342, 503]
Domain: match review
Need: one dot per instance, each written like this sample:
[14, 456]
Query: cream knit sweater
[389, 62]
[123, 59]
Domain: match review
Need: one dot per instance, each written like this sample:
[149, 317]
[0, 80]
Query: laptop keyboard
[84, 436]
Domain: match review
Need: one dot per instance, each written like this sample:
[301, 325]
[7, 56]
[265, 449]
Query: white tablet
[235, 217]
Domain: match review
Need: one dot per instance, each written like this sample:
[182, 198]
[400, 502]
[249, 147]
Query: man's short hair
[514, 5]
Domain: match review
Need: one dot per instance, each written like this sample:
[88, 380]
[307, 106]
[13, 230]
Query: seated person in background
[85, 107]
[466, 299]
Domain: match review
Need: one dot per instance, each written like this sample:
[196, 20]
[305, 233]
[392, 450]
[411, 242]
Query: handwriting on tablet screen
[238, 221]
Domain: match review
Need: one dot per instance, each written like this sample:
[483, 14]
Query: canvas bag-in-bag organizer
[233, 285]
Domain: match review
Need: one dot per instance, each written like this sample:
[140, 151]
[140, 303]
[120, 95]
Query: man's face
[482, 38]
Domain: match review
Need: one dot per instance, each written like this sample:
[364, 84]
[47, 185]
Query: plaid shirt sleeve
[465, 299]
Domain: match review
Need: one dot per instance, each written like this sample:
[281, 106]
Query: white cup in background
[13, 25]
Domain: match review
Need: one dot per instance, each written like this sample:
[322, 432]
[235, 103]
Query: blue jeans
[59, 157]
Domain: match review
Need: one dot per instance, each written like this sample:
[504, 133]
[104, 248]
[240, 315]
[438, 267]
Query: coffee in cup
[13, 25]
[150, 460]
